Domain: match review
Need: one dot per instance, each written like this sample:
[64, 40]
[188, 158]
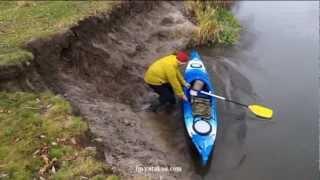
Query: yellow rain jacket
[166, 70]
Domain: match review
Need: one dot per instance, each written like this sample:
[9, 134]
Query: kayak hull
[203, 143]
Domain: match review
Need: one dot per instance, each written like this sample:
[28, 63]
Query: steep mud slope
[99, 64]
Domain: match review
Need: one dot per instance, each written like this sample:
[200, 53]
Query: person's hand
[187, 85]
[184, 97]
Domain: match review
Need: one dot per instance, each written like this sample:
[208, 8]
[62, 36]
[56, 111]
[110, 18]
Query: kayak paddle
[258, 110]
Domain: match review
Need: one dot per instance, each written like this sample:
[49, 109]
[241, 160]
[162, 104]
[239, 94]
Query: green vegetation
[39, 138]
[22, 20]
[15, 57]
[217, 25]
[38, 134]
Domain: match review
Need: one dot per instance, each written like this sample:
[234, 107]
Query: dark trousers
[165, 92]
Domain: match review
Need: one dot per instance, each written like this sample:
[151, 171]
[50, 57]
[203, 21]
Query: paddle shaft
[223, 98]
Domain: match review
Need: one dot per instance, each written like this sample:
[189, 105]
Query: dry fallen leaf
[42, 136]
[3, 175]
[16, 140]
[36, 152]
[73, 141]
[46, 165]
[53, 169]
[49, 106]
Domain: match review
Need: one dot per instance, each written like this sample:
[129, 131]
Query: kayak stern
[204, 146]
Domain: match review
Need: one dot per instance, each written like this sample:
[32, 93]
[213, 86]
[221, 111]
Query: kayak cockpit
[201, 108]
[200, 103]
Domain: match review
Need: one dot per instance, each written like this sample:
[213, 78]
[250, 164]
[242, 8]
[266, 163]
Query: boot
[155, 106]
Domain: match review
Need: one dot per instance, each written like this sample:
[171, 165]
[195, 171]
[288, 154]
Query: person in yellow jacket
[165, 78]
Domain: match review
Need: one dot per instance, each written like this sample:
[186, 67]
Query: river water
[277, 61]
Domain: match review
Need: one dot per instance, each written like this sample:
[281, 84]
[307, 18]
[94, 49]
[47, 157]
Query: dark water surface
[277, 56]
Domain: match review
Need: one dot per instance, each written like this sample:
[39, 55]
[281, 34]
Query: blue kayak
[201, 129]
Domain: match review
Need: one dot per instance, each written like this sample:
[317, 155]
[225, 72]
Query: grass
[217, 25]
[38, 138]
[22, 20]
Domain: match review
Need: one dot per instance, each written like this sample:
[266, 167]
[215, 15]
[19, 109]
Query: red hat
[182, 57]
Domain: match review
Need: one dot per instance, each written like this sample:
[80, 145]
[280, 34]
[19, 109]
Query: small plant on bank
[217, 25]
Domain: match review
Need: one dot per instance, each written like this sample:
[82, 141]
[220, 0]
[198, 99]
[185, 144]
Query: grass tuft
[15, 57]
[217, 25]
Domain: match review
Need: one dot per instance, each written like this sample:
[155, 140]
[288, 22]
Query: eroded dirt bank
[98, 65]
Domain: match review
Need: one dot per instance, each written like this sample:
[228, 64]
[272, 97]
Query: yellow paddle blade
[261, 111]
